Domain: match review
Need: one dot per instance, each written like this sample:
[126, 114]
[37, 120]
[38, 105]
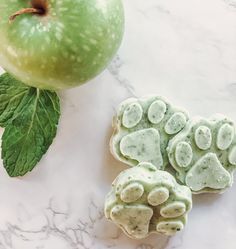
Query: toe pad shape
[158, 195]
[156, 111]
[169, 227]
[132, 192]
[132, 115]
[173, 209]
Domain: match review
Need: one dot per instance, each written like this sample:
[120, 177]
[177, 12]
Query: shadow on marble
[212, 199]
[154, 241]
[205, 199]
[112, 167]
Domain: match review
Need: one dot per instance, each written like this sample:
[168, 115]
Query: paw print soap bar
[204, 154]
[143, 128]
[146, 200]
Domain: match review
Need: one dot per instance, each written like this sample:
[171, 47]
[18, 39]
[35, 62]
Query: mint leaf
[31, 125]
[12, 93]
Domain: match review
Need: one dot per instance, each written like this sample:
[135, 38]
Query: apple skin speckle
[58, 50]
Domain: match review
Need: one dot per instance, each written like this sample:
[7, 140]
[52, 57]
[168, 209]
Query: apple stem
[25, 11]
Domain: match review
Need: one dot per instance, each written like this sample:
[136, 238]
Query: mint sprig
[30, 117]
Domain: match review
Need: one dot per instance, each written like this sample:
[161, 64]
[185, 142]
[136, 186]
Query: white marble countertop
[184, 50]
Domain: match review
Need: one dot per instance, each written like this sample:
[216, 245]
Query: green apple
[58, 44]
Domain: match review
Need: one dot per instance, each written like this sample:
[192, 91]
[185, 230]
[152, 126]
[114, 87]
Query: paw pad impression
[145, 200]
[204, 154]
[143, 128]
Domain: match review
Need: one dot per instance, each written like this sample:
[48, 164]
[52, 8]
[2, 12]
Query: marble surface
[184, 50]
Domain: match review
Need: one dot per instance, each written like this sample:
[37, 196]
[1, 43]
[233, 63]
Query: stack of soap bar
[200, 153]
[143, 128]
[145, 200]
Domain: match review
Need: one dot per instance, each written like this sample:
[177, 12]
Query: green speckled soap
[146, 200]
[143, 128]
